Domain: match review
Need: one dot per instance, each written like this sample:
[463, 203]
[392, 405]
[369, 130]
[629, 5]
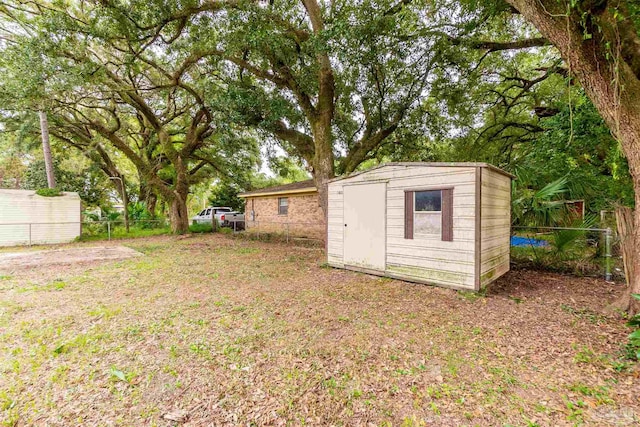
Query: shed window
[427, 216]
[283, 205]
[428, 213]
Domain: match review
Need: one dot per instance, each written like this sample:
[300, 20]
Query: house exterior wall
[425, 259]
[496, 225]
[52, 219]
[303, 219]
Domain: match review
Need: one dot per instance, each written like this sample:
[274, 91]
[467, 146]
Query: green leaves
[634, 338]
[49, 192]
[541, 207]
[118, 374]
[124, 82]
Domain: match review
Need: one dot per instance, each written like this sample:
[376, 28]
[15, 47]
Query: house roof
[295, 187]
[431, 164]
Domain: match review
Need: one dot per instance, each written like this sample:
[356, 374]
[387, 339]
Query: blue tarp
[527, 241]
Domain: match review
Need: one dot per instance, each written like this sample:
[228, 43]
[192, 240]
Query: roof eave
[428, 164]
[281, 192]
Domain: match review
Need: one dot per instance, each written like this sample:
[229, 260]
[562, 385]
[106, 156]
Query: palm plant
[564, 240]
[540, 208]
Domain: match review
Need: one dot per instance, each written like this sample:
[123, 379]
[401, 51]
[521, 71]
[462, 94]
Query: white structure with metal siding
[26, 218]
[446, 224]
[495, 223]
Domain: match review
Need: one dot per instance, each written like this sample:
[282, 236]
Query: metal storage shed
[27, 218]
[446, 224]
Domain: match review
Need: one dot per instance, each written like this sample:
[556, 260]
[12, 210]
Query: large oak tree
[329, 81]
[600, 43]
[104, 83]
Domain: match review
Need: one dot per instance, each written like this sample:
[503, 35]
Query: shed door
[365, 225]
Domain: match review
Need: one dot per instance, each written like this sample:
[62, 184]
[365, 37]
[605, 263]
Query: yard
[215, 330]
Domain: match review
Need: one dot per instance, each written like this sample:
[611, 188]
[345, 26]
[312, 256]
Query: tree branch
[495, 46]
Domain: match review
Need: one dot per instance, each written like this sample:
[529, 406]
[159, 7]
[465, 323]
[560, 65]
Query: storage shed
[27, 218]
[446, 224]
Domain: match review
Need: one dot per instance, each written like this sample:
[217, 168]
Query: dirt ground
[212, 330]
[10, 261]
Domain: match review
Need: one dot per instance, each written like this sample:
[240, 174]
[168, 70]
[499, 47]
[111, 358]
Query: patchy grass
[237, 332]
[99, 232]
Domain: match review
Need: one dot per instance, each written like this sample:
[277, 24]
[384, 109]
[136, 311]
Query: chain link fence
[283, 231]
[114, 229]
[581, 251]
[15, 234]
[25, 233]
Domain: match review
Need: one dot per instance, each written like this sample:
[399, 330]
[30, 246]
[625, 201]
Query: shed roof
[295, 187]
[430, 164]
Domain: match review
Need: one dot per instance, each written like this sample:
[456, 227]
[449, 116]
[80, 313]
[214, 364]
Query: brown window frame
[286, 207]
[446, 211]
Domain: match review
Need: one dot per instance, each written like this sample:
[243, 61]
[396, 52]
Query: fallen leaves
[176, 415]
[183, 337]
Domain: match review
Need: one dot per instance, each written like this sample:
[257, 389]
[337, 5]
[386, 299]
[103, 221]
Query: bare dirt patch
[43, 258]
[212, 330]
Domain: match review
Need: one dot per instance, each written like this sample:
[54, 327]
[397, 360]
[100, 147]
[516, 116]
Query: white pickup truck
[205, 217]
[234, 220]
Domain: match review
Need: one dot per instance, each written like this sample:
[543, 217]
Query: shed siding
[335, 225]
[52, 219]
[424, 259]
[495, 225]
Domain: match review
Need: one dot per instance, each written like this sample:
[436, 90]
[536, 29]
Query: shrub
[49, 192]
[90, 216]
[91, 229]
[110, 215]
[633, 346]
[138, 211]
[200, 228]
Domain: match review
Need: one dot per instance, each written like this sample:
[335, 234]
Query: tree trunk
[46, 149]
[125, 201]
[633, 280]
[149, 197]
[151, 202]
[626, 231]
[178, 214]
[323, 168]
[610, 83]
[322, 173]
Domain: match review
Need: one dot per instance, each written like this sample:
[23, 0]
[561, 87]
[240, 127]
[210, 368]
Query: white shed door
[365, 225]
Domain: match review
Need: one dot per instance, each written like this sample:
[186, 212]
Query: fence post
[29, 234]
[287, 232]
[109, 230]
[607, 255]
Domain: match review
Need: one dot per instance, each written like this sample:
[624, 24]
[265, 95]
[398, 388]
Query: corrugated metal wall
[27, 218]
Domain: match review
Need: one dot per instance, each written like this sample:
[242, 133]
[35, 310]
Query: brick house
[292, 208]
